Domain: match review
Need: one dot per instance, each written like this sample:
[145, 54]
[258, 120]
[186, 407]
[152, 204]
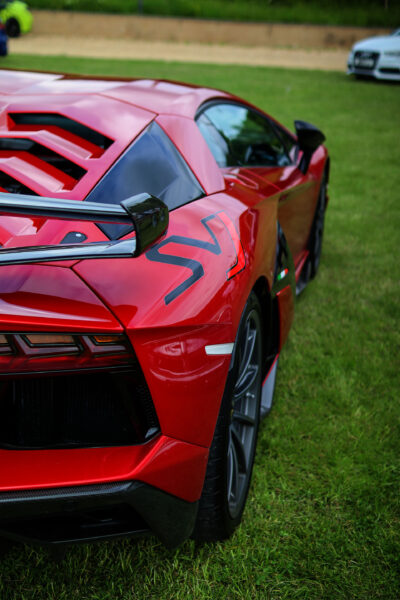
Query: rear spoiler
[148, 215]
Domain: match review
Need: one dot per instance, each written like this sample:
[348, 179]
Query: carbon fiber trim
[63, 492]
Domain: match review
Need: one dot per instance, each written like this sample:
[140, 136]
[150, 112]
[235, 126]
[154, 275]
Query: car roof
[68, 115]
[156, 95]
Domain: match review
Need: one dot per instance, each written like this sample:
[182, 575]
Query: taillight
[33, 352]
[5, 347]
[49, 339]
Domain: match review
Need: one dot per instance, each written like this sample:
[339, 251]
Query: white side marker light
[219, 349]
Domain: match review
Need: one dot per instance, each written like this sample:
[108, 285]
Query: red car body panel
[186, 136]
[240, 210]
[34, 297]
[169, 464]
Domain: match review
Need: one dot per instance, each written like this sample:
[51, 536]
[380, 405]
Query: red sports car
[153, 235]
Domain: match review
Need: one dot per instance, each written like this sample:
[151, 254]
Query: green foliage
[340, 12]
[322, 520]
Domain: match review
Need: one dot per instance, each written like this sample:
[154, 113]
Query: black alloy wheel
[233, 448]
[244, 414]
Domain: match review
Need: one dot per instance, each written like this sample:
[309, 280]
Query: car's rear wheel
[233, 448]
[13, 29]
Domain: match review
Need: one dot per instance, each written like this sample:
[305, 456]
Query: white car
[376, 57]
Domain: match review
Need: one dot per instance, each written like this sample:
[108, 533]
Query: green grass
[340, 12]
[323, 516]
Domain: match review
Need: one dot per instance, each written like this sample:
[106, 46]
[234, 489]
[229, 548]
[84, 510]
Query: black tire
[232, 452]
[5, 547]
[13, 29]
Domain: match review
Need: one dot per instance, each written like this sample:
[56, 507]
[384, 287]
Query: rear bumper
[87, 513]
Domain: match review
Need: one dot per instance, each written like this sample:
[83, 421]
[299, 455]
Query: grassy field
[339, 12]
[323, 516]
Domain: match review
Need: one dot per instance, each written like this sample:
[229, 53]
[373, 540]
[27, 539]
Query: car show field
[323, 517]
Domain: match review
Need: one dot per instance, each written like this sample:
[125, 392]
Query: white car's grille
[365, 60]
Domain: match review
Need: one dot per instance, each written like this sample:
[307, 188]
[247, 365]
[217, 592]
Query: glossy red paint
[300, 261]
[168, 324]
[165, 97]
[240, 262]
[169, 339]
[169, 464]
[48, 298]
[116, 120]
[298, 198]
[286, 313]
[186, 136]
[14, 81]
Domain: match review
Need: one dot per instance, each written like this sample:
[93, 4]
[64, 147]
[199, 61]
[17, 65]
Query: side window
[216, 141]
[152, 164]
[238, 136]
[289, 142]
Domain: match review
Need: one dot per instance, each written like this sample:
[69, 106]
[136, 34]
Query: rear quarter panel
[187, 292]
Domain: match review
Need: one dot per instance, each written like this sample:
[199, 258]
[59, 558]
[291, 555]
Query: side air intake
[47, 152]
[13, 186]
[58, 124]
[22, 147]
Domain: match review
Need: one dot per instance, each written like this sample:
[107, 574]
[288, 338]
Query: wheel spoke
[244, 346]
[238, 448]
[233, 471]
[230, 470]
[244, 412]
[243, 418]
[246, 382]
[248, 354]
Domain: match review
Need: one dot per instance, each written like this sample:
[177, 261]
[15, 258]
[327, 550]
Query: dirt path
[329, 60]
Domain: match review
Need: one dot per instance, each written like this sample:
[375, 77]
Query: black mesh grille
[77, 410]
[365, 60]
[17, 145]
[390, 70]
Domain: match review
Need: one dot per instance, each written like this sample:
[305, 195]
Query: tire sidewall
[214, 521]
[252, 305]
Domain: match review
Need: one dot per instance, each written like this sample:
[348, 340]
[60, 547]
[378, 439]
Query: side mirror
[309, 139]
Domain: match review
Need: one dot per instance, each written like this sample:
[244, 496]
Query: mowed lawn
[322, 519]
